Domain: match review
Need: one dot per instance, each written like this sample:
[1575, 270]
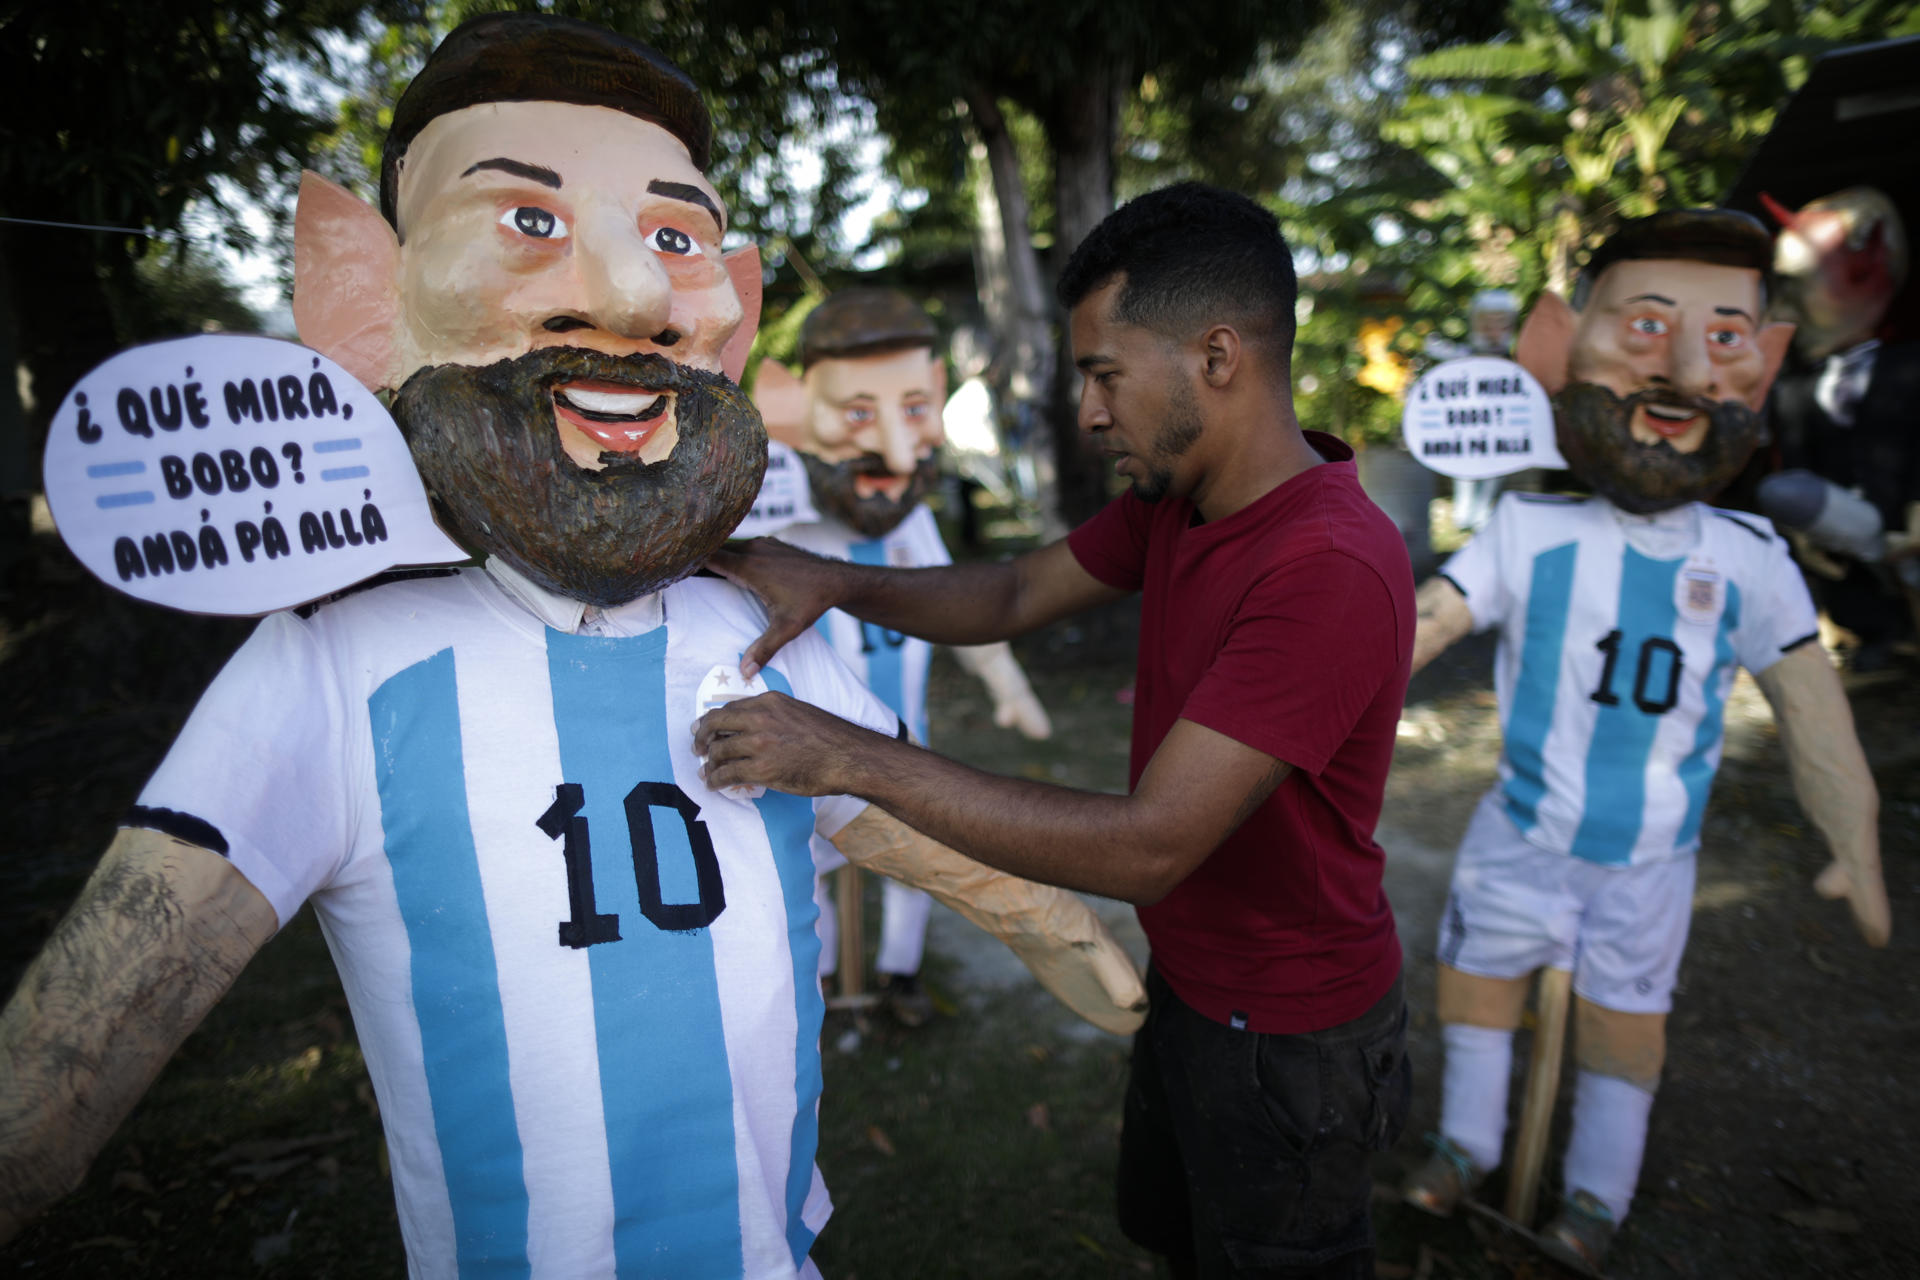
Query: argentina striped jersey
[583, 982]
[1620, 637]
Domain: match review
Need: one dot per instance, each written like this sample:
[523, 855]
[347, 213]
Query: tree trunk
[1081, 130]
[1014, 292]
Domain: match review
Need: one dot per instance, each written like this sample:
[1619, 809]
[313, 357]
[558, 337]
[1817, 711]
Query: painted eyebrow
[1087, 362]
[519, 169]
[692, 195]
[1733, 311]
[1651, 297]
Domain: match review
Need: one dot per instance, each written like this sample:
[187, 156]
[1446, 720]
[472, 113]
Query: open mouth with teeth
[892, 486]
[609, 417]
[1674, 423]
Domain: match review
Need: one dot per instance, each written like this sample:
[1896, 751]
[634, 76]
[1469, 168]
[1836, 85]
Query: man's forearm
[956, 604]
[1056, 835]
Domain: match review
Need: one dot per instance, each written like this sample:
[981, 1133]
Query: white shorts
[1515, 907]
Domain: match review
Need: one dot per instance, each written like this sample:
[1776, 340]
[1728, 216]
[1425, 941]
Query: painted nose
[899, 442]
[625, 288]
[1692, 366]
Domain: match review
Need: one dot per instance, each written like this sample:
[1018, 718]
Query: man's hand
[796, 586]
[778, 742]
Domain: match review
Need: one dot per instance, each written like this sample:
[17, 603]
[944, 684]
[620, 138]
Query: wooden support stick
[1551, 997]
[853, 937]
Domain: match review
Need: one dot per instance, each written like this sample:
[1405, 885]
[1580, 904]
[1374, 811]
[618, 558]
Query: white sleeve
[1779, 615]
[818, 676]
[259, 773]
[1475, 568]
[929, 549]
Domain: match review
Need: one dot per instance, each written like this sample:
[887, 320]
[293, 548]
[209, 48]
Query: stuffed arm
[1831, 778]
[1055, 934]
[157, 936]
[1441, 617]
[1015, 705]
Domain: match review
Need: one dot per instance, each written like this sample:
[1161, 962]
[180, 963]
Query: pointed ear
[939, 382]
[346, 282]
[1773, 341]
[782, 400]
[743, 268]
[1546, 341]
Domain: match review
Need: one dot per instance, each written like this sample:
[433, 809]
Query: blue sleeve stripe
[421, 778]
[665, 1084]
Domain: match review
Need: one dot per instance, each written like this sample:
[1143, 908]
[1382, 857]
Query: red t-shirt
[1287, 626]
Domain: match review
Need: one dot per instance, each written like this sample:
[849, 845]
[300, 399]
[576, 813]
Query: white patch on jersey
[720, 686]
[1700, 593]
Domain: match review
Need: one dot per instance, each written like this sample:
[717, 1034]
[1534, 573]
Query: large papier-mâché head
[865, 414]
[1660, 364]
[547, 298]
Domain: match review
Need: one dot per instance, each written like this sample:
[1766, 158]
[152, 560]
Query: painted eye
[1652, 325]
[672, 240]
[917, 411]
[859, 415]
[534, 222]
[1728, 338]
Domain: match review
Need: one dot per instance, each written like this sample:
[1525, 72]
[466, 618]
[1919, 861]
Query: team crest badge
[1700, 594]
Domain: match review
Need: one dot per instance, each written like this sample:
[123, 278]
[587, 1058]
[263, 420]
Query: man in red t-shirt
[1276, 630]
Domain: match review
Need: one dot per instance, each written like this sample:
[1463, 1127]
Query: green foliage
[127, 114]
[1499, 163]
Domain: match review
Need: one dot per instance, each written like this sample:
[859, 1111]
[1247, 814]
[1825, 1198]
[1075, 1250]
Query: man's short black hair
[1723, 237]
[538, 57]
[1191, 255]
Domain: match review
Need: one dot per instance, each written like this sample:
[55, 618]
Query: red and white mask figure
[1839, 260]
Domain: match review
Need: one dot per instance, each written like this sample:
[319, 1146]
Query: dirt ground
[1783, 1141]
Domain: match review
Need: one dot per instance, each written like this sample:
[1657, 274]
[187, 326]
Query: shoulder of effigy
[1753, 525]
[393, 590]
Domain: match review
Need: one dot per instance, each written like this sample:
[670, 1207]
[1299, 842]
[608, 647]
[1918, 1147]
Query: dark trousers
[1247, 1155]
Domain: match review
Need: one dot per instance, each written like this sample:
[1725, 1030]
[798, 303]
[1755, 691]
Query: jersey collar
[563, 613]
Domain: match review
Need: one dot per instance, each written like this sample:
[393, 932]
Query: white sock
[1473, 1092]
[1609, 1138]
[903, 927]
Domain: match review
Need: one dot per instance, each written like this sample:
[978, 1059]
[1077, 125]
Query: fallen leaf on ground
[1038, 1117]
[1088, 1243]
[881, 1142]
[1835, 1221]
[132, 1180]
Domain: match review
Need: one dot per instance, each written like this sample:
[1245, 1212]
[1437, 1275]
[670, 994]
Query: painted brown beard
[876, 514]
[487, 446]
[1592, 426]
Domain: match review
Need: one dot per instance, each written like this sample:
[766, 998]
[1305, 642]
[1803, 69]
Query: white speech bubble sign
[785, 496]
[234, 474]
[1479, 416]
